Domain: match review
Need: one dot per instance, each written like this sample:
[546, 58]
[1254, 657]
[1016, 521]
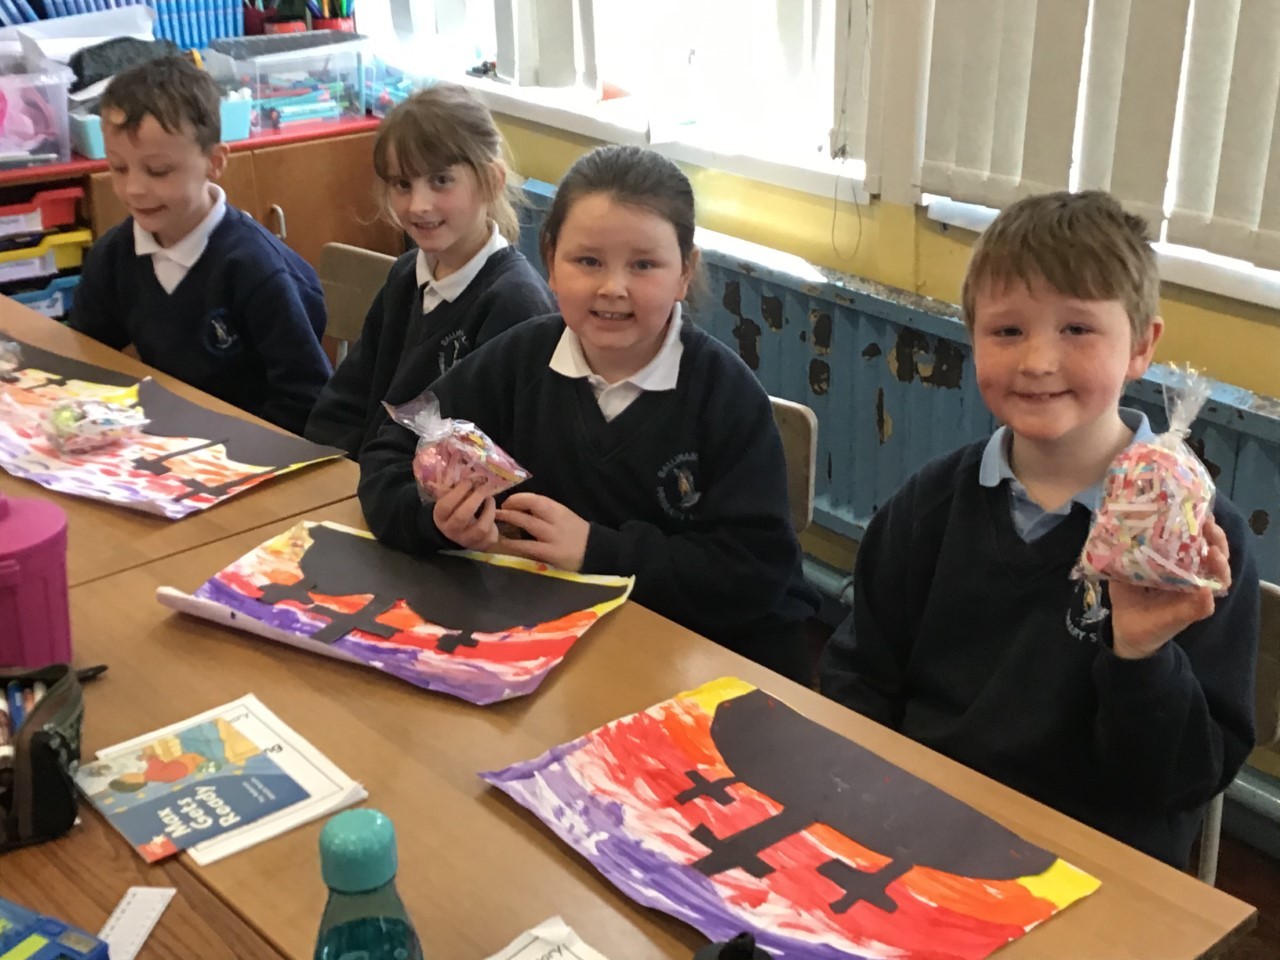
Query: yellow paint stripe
[711, 695]
[1062, 884]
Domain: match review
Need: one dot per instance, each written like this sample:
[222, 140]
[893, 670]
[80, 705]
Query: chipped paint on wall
[1259, 521]
[820, 320]
[935, 361]
[771, 310]
[819, 376]
[884, 422]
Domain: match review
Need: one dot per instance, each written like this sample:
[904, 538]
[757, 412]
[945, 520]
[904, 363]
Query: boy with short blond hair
[968, 633]
[200, 289]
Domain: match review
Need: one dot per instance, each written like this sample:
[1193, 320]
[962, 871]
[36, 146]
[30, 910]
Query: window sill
[1185, 266]
[624, 121]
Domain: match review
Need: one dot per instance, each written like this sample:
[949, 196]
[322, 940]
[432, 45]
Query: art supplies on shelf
[237, 124]
[193, 24]
[319, 83]
[187, 458]
[476, 626]
[727, 809]
[214, 784]
[386, 85]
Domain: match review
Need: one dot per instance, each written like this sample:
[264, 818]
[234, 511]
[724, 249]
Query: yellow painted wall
[898, 245]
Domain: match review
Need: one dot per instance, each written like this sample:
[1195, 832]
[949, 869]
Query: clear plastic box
[86, 128]
[386, 85]
[33, 104]
[297, 86]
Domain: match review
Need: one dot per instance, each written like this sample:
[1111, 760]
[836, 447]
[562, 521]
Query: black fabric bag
[38, 793]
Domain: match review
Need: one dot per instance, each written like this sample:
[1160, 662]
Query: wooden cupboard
[309, 193]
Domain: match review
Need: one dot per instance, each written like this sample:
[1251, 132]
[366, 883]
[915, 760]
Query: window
[430, 37]
[765, 78]
[747, 76]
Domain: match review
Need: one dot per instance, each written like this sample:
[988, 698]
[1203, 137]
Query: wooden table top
[80, 878]
[104, 538]
[475, 868]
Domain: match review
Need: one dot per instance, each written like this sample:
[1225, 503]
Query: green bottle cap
[357, 851]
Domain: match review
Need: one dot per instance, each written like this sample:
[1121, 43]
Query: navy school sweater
[244, 324]
[685, 489]
[973, 642]
[401, 351]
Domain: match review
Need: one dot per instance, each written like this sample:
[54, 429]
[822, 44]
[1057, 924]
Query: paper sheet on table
[550, 938]
[61, 38]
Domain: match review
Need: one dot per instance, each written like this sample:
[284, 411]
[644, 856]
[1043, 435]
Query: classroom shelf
[80, 166]
[47, 210]
[55, 252]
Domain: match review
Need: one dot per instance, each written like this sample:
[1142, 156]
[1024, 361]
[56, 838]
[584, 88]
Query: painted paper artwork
[480, 627]
[727, 809]
[187, 458]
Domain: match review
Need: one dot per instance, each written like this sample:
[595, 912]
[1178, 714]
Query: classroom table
[81, 877]
[104, 538]
[475, 869]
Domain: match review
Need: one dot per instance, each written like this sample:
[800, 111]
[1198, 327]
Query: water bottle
[364, 918]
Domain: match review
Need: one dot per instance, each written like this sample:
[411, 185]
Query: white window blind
[1226, 195]
[1003, 87]
[1130, 100]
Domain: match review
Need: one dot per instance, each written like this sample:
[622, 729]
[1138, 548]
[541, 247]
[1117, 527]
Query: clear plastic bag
[10, 358]
[83, 426]
[1157, 496]
[451, 452]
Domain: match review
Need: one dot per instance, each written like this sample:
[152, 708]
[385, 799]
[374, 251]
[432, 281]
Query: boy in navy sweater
[201, 290]
[968, 633]
[652, 447]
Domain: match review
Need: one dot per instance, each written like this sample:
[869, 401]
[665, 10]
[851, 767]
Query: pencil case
[37, 789]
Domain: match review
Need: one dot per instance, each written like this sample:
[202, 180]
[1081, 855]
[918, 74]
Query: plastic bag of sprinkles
[1157, 495]
[453, 451]
[10, 359]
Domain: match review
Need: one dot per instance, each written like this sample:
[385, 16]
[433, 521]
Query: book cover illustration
[187, 459]
[187, 787]
[476, 626]
[729, 810]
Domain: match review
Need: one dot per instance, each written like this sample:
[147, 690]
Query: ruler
[133, 919]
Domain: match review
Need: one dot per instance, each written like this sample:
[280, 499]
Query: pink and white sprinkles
[1157, 495]
[1149, 530]
[450, 452]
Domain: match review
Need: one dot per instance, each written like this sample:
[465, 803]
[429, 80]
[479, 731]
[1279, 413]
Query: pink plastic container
[35, 626]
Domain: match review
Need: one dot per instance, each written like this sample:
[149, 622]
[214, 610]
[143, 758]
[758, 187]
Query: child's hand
[558, 535]
[466, 516]
[1144, 619]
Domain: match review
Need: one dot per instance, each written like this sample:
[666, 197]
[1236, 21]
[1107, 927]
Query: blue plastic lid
[357, 851]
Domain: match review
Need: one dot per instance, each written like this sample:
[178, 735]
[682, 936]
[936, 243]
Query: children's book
[214, 784]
